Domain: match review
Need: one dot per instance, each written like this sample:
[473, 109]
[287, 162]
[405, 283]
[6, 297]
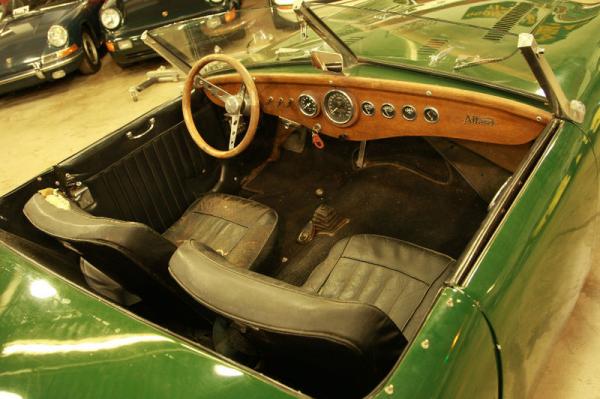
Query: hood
[23, 40]
[440, 35]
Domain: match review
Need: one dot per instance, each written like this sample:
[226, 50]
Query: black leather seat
[396, 276]
[348, 318]
[136, 257]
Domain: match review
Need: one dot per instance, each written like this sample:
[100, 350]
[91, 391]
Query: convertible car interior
[313, 253]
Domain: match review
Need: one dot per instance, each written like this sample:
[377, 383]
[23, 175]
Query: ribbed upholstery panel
[398, 277]
[155, 183]
[382, 287]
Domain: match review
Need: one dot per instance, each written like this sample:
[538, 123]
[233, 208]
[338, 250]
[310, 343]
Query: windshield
[17, 8]
[394, 36]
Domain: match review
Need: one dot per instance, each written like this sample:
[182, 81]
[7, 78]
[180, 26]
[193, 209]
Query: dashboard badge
[367, 108]
[431, 115]
[388, 111]
[409, 113]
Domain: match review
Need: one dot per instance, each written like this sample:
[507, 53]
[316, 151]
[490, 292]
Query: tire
[91, 57]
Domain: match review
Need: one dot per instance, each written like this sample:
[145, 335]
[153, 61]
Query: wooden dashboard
[416, 109]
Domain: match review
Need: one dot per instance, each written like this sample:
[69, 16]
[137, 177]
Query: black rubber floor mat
[407, 191]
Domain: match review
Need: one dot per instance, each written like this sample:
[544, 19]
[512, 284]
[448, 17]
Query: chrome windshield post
[165, 53]
[562, 108]
[308, 16]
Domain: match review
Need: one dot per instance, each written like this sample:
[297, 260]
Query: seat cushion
[241, 230]
[393, 275]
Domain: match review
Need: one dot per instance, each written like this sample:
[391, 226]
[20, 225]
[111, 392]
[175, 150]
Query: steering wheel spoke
[234, 126]
[244, 102]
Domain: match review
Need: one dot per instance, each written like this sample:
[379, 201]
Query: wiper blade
[287, 51]
[471, 61]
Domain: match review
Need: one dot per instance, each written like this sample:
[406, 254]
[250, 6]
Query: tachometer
[338, 107]
[308, 105]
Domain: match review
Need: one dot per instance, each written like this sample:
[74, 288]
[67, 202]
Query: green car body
[488, 333]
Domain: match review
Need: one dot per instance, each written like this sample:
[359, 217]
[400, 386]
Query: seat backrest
[325, 335]
[130, 253]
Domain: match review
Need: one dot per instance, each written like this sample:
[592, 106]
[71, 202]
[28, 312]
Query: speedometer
[338, 106]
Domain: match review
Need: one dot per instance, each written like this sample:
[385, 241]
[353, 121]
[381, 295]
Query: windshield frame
[307, 17]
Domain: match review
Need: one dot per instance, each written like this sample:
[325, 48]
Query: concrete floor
[42, 126]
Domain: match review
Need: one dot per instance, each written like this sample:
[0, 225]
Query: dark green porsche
[392, 200]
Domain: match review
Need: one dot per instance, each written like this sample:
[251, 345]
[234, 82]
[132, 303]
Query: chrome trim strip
[467, 262]
[46, 68]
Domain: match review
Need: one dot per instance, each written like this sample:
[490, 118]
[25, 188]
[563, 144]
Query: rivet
[284, 259]
[39, 178]
[389, 389]
[450, 302]
[235, 178]
[428, 93]
[319, 192]
[331, 82]
[425, 344]
[538, 118]
[57, 183]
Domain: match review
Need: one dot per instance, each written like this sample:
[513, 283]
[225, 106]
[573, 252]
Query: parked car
[124, 21]
[46, 40]
[395, 202]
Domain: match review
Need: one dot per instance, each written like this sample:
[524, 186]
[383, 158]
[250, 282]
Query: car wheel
[91, 58]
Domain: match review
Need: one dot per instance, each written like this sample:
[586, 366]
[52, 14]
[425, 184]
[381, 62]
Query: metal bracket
[562, 108]
[308, 16]
[360, 160]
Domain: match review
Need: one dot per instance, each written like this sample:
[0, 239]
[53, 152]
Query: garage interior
[43, 125]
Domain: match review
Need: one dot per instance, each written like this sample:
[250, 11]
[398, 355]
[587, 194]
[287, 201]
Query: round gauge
[367, 108]
[431, 115]
[308, 105]
[338, 107]
[409, 112]
[388, 111]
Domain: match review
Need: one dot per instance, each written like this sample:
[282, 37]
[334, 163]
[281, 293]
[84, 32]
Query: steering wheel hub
[233, 105]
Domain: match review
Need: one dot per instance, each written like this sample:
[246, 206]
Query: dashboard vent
[507, 22]
[433, 46]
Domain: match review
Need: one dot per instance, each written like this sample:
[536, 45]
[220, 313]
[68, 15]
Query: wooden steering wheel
[246, 99]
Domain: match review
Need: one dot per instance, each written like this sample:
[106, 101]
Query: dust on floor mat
[406, 191]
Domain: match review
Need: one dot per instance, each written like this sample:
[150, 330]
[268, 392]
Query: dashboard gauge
[409, 113]
[367, 108]
[431, 115]
[338, 107]
[388, 111]
[308, 105]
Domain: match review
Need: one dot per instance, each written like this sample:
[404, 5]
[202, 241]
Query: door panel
[152, 179]
[529, 278]
[452, 357]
